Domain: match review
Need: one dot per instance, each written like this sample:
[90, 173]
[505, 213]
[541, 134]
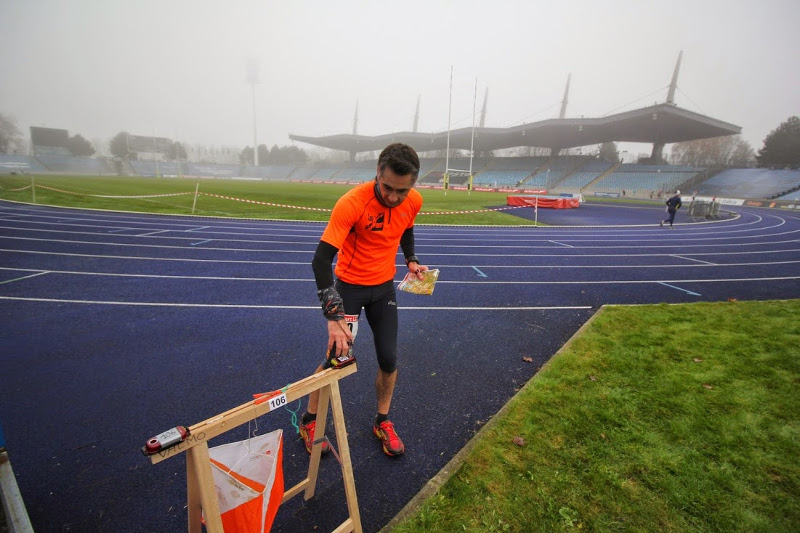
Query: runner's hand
[417, 269]
[339, 333]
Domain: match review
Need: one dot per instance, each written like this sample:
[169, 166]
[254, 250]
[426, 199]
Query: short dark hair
[401, 158]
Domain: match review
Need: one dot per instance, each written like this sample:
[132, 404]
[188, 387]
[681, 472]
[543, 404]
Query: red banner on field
[548, 202]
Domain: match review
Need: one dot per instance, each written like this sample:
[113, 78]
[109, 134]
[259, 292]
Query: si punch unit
[341, 361]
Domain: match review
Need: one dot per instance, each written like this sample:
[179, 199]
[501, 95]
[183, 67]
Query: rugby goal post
[201, 494]
[448, 172]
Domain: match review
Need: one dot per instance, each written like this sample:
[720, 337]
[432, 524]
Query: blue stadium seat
[750, 183]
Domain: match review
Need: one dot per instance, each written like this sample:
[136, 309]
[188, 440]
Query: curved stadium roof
[657, 124]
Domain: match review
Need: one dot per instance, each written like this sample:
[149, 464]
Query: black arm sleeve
[407, 242]
[321, 264]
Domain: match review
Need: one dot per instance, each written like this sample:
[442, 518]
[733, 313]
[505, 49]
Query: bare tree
[177, 152]
[118, 146]
[608, 151]
[10, 136]
[729, 151]
[79, 146]
[246, 156]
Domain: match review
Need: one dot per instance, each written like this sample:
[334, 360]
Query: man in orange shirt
[366, 226]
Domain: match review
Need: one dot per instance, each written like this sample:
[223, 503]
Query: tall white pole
[447, 152]
[255, 129]
[472, 141]
[155, 154]
[252, 79]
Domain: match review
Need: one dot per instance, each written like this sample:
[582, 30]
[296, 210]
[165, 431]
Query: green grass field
[84, 191]
[645, 422]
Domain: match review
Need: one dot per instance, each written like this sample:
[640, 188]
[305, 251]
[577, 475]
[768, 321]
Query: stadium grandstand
[559, 173]
[50, 141]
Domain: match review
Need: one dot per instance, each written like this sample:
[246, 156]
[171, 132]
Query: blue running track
[118, 326]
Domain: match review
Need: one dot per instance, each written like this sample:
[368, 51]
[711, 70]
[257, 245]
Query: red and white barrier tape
[473, 211]
[264, 203]
[328, 210]
[15, 190]
[111, 196]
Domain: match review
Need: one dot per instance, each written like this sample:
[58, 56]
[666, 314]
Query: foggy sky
[178, 68]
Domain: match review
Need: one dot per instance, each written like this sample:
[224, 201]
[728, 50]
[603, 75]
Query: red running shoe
[392, 445]
[307, 432]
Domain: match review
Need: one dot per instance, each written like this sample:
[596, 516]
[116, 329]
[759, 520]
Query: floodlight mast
[355, 132]
[483, 111]
[416, 116]
[449, 113]
[565, 100]
[472, 142]
[155, 154]
[657, 155]
[252, 79]
[674, 83]
[355, 120]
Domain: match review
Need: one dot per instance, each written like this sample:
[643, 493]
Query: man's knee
[388, 363]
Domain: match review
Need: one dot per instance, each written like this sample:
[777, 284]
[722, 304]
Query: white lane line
[201, 242]
[139, 245]
[162, 276]
[702, 265]
[147, 219]
[617, 282]
[437, 265]
[152, 233]
[532, 308]
[24, 277]
[657, 254]
[431, 254]
[685, 245]
[98, 256]
[692, 259]
[314, 307]
[440, 282]
[562, 244]
[196, 229]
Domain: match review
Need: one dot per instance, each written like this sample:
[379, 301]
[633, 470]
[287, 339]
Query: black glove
[332, 304]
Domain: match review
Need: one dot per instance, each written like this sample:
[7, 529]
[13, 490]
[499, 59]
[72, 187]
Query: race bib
[352, 323]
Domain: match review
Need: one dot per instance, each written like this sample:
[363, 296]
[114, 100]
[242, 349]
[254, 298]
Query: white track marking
[314, 307]
[437, 265]
[435, 254]
[691, 259]
[24, 277]
[440, 282]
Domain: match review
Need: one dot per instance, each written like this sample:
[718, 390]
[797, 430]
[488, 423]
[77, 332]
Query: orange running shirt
[367, 234]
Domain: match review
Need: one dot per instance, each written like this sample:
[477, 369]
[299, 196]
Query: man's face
[393, 188]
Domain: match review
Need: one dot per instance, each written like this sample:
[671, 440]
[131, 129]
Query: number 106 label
[277, 401]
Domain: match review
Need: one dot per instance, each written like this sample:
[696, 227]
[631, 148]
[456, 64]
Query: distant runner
[673, 204]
